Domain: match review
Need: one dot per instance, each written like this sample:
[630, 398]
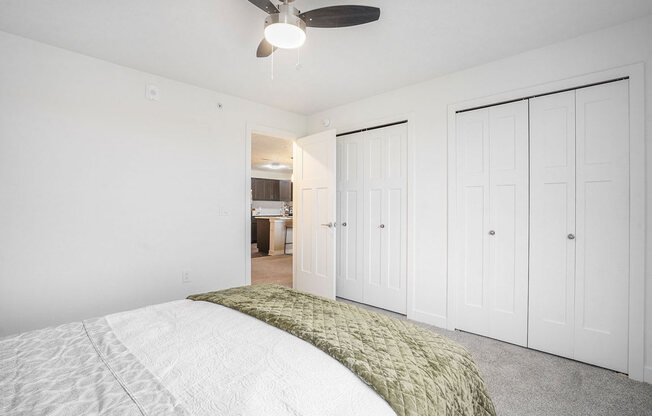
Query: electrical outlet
[185, 277]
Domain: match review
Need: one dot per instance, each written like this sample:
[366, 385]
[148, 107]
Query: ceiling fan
[285, 25]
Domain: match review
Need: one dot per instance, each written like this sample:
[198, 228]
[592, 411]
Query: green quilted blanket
[418, 372]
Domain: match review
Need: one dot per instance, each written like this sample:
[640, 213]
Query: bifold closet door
[492, 222]
[602, 271]
[350, 229]
[471, 263]
[552, 223]
[579, 242]
[385, 218]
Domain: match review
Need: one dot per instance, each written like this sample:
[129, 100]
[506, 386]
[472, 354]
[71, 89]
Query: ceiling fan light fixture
[285, 35]
[285, 26]
[285, 29]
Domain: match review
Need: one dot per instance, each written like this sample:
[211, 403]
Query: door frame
[253, 128]
[412, 313]
[637, 195]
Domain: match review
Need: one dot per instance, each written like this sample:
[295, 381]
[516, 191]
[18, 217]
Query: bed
[255, 350]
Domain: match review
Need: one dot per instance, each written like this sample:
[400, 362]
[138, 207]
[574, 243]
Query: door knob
[381, 226]
[492, 232]
[571, 236]
[343, 224]
[329, 225]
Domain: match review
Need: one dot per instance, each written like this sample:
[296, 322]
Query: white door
[579, 242]
[508, 221]
[552, 223]
[602, 242]
[492, 222]
[470, 236]
[350, 149]
[385, 218]
[314, 214]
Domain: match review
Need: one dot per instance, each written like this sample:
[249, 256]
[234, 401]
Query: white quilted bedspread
[217, 361]
[178, 358]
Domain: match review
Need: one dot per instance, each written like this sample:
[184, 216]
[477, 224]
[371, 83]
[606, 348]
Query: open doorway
[271, 210]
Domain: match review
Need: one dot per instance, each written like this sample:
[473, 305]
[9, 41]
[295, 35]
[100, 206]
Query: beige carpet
[272, 269]
[524, 382]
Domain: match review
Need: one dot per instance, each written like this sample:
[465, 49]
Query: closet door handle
[343, 224]
[329, 225]
[381, 226]
[492, 232]
[571, 236]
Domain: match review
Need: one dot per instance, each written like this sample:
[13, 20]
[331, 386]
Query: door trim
[250, 129]
[637, 195]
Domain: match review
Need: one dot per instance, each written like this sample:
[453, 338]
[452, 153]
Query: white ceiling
[266, 150]
[212, 43]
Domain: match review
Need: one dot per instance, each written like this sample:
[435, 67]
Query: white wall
[427, 104]
[105, 196]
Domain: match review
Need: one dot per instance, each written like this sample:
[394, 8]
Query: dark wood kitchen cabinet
[254, 230]
[264, 189]
[256, 189]
[262, 229]
[285, 188]
[270, 190]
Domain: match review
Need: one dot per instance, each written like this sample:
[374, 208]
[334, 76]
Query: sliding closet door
[493, 221]
[385, 218]
[349, 216]
[552, 223]
[602, 274]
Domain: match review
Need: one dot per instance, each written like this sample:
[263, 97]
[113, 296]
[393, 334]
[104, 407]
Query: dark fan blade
[265, 49]
[265, 5]
[340, 16]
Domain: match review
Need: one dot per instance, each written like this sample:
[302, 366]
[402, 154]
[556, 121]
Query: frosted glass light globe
[285, 35]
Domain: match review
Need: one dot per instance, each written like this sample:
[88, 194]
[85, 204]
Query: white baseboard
[427, 318]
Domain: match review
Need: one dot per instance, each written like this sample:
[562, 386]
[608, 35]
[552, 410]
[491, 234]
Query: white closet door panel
[552, 219]
[508, 216]
[473, 314]
[395, 233]
[350, 227]
[475, 247]
[602, 271]
[373, 205]
[373, 237]
[395, 218]
[471, 242]
[349, 278]
[504, 248]
[348, 151]
[385, 190]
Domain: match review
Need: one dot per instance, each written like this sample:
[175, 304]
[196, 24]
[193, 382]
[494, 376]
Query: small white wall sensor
[152, 92]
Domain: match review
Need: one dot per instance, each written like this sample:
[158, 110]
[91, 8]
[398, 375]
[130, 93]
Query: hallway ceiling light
[276, 166]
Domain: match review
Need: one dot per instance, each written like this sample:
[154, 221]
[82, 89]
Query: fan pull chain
[298, 66]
